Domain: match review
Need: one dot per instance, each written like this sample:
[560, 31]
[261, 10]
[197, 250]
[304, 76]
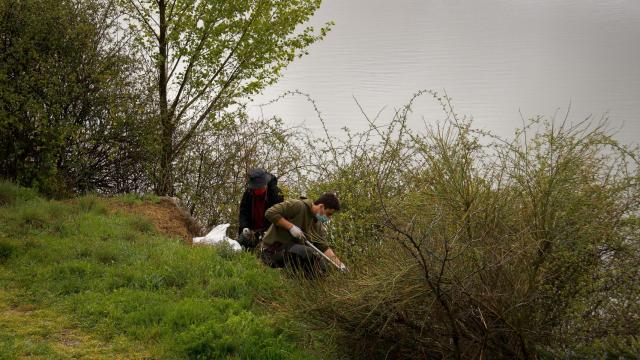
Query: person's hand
[297, 233]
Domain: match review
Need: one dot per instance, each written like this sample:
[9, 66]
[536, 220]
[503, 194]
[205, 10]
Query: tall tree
[206, 55]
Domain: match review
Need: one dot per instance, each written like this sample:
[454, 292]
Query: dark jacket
[274, 196]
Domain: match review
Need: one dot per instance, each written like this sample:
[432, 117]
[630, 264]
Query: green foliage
[114, 276]
[240, 336]
[38, 349]
[72, 114]
[462, 244]
[208, 56]
[11, 194]
[35, 217]
[81, 107]
[91, 203]
[136, 199]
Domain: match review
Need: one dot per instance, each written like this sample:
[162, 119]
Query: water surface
[496, 59]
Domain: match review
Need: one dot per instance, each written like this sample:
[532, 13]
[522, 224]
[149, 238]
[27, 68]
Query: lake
[496, 59]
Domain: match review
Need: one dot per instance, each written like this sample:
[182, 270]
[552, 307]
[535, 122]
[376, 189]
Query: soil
[167, 216]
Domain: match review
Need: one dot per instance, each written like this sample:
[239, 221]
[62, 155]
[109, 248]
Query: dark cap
[258, 178]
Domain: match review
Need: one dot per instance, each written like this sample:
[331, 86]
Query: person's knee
[302, 251]
[247, 242]
[306, 259]
[242, 240]
[274, 260]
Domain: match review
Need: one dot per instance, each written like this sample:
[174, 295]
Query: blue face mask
[322, 218]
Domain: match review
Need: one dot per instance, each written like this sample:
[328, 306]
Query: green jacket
[298, 212]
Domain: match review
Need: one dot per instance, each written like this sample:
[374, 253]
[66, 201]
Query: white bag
[217, 236]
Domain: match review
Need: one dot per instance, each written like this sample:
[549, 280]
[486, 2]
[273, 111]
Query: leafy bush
[72, 112]
[211, 174]
[478, 247]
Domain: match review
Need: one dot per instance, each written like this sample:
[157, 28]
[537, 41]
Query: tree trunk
[164, 186]
[165, 179]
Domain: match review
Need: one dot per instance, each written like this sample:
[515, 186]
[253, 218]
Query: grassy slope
[78, 281]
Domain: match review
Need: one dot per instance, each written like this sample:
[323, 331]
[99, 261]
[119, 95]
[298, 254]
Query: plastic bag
[217, 236]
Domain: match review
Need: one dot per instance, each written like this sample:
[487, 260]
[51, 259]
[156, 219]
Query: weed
[33, 217]
[140, 224]
[243, 336]
[11, 194]
[466, 245]
[6, 250]
[106, 255]
[137, 199]
[92, 203]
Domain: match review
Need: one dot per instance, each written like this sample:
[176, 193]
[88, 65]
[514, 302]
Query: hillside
[115, 278]
[164, 213]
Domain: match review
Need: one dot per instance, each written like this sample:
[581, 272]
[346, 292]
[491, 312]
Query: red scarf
[258, 208]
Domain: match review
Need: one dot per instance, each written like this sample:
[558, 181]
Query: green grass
[76, 280]
[136, 199]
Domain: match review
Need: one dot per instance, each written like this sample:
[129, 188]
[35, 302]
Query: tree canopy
[68, 97]
[209, 54]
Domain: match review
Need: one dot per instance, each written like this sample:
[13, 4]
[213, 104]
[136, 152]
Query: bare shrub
[211, 173]
[479, 247]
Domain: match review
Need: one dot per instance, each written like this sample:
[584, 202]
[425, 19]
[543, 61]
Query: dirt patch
[23, 309]
[67, 338]
[166, 215]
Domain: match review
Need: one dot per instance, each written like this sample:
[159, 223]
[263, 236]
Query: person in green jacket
[293, 222]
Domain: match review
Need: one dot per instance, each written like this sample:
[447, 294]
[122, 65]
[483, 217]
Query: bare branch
[206, 112]
[144, 19]
[206, 88]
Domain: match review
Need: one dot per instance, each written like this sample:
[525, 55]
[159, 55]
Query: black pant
[295, 257]
[250, 243]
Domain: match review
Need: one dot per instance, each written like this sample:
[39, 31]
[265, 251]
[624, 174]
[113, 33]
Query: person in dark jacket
[262, 193]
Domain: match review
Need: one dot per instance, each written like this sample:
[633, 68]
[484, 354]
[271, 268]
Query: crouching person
[262, 192]
[294, 222]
